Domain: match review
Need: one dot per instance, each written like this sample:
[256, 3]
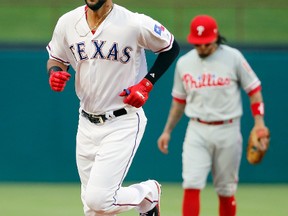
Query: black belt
[100, 119]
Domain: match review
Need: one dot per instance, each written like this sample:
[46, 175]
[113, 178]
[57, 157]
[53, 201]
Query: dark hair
[221, 39]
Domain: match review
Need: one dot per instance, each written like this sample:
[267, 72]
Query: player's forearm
[175, 114]
[258, 114]
[53, 63]
[256, 97]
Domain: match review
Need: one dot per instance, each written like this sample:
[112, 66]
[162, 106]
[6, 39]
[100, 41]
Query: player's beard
[203, 55]
[95, 6]
[206, 51]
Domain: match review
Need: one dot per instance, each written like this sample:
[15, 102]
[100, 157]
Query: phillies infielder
[207, 85]
[104, 43]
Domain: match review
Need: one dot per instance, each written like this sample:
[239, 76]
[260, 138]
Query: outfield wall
[38, 126]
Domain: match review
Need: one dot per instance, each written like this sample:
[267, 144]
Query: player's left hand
[137, 95]
[163, 142]
[58, 79]
[258, 144]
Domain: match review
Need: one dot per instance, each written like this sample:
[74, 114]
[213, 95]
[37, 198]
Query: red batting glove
[58, 79]
[137, 95]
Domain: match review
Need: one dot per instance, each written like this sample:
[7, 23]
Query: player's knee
[99, 200]
[194, 183]
[226, 190]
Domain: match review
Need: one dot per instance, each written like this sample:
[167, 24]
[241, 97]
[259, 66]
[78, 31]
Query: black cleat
[153, 212]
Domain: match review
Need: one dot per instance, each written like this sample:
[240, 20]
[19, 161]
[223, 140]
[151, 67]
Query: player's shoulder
[122, 10]
[186, 59]
[191, 54]
[125, 13]
[229, 54]
[229, 50]
[131, 17]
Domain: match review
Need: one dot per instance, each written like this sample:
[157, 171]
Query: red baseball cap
[203, 30]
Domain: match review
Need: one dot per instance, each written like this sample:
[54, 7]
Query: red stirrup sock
[227, 206]
[191, 202]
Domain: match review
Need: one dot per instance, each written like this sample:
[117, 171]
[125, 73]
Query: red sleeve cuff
[182, 101]
[257, 89]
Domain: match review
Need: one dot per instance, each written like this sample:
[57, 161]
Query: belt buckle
[97, 119]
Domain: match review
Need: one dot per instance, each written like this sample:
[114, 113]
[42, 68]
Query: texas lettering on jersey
[204, 80]
[113, 53]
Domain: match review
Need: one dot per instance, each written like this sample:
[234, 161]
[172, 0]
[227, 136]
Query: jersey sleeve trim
[56, 58]
[255, 90]
[167, 47]
[252, 86]
[179, 96]
[181, 101]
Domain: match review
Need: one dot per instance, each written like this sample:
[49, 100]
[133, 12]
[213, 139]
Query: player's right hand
[137, 95]
[58, 79]
[163, 142]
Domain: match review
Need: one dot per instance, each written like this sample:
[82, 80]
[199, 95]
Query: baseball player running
[104, 43]
[207, 85]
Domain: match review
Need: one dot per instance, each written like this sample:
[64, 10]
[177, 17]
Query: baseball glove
[258, 143]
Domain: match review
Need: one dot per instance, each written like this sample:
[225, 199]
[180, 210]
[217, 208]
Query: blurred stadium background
[242, 21]
[37, 166]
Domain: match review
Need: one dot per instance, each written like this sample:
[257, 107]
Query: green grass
[242, 21]
[64, 199]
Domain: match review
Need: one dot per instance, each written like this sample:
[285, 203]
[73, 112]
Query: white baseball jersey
[211, 86]
[110, 60]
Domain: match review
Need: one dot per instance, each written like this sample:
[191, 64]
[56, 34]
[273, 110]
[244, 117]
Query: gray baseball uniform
[210, 87]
